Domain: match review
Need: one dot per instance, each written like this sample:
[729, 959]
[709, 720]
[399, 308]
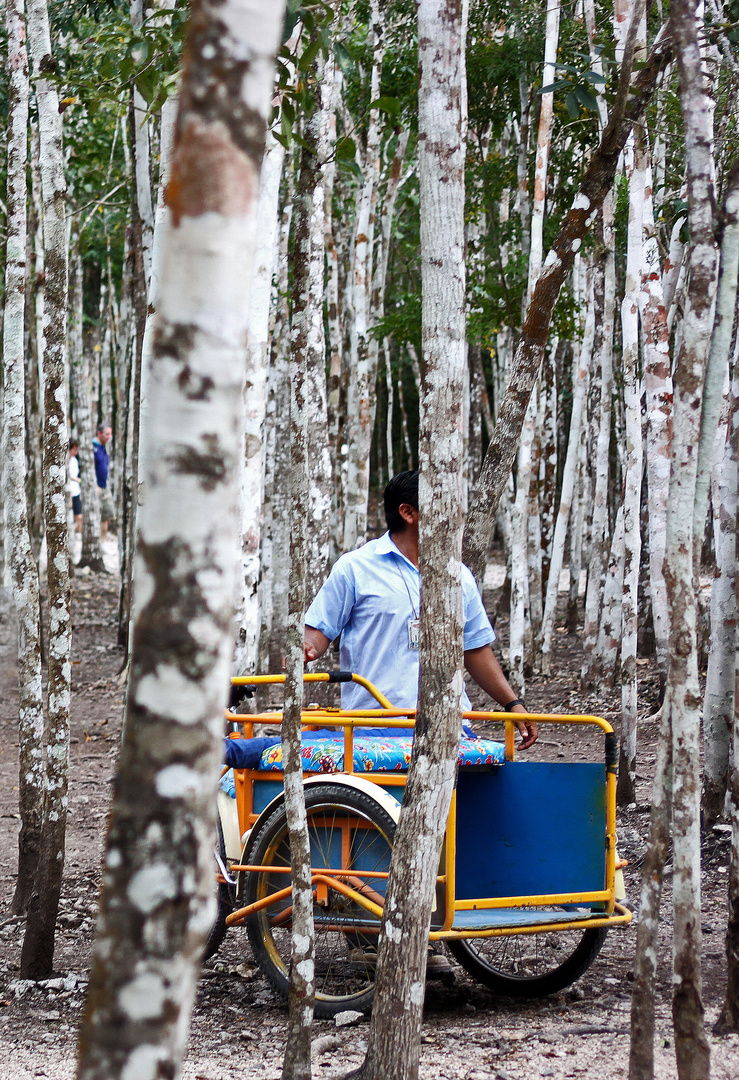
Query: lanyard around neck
[407, 589]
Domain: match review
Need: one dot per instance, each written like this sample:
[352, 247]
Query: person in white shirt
[75, 491]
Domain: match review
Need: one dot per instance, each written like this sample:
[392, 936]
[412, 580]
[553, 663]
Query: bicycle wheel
[529, 965]
[351, 833]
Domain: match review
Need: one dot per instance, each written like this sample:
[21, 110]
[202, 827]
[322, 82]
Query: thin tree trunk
[641, 1052]
[604, 291]
[718, 714]
[142, 167]
[609, 633]
[728, 1020]
[569, 482]
[626, 791]
[361, 387]
[691, 1046]
[157, 900]
[394, 1040]
[21, 563]
[92, 553]
[37, 953]
[543, 141]
[296, 1064]
[255, 403]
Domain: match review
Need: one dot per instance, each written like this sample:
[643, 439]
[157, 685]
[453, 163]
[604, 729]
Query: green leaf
[596, 79]
[309, 54]
[586, 98]
[551, 87]
[389, 105]
[351, 167]
[343, 57]
[346, 149]
[572, 105]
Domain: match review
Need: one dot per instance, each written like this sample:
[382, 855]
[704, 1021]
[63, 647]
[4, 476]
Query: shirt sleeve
[477, 628]
[334, 602]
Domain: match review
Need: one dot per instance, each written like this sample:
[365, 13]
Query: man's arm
[315, 644]
[484, 668]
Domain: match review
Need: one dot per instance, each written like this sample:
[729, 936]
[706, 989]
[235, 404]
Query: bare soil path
[238, 1026]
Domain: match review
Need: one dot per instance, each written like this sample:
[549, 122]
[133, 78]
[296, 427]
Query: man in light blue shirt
[371, 599]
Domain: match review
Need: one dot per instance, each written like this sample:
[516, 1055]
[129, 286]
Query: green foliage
[106, 55]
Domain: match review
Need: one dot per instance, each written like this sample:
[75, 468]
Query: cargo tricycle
[529, 881]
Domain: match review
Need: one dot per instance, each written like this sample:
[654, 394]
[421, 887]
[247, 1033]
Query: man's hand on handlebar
[527, 728]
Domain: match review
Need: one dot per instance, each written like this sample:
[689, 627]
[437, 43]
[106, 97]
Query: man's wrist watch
[516, 701]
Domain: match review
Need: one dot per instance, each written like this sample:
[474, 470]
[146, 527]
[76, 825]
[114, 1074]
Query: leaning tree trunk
[157, 900]
[691, 1046]
[394, 1041]
[22, 565]
[38, 944]
[631, 100]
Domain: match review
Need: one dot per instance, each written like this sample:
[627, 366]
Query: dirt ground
[238, 1025]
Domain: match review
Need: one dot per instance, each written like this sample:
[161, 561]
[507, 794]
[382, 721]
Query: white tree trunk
[361, 383]
[605, 293]
[519, 552]
[718, 712]
[21, 563]
[92, 554]
[658, 399]
[543, 141]
[38, 944]
[633, 471]
[157, 904]
[394, 1041]
[255, 403]
[691, 1045]
[569, 481]
[142, 175]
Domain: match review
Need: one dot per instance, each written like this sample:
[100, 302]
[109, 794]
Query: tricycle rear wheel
[529, 965]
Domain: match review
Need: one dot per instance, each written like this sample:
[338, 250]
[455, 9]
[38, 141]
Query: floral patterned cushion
[377, 755]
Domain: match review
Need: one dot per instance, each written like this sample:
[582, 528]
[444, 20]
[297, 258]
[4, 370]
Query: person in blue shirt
[371, 598]
[107, 510]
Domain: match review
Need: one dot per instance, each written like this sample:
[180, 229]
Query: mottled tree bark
[691, 1046]
[394, 1041]
[257, 370]
[361, 384]
[569, 481]
[21, 563]
[635, 170]
[718, 712]
[157, 905]
[38, 944]
[641, 1052]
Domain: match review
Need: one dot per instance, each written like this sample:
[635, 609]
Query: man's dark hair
[403, 488]
[101, 427]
